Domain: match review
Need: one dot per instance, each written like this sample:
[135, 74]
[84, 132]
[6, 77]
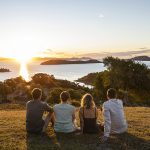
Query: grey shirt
[34, 114]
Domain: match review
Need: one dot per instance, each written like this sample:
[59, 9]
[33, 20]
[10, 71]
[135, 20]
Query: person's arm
[81, 118]
[73, 115]
[97, 115]
[48, 108]
[107, 122]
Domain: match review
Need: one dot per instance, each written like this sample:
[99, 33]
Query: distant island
[62, 61]
[4, 70]
[141, 58]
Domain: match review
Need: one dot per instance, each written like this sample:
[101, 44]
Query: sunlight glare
[24, 71]
[23, 59]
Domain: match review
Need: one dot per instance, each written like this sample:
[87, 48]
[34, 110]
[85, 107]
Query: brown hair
[64, 96]
[111, 93]
[36, 93]
[87, 101]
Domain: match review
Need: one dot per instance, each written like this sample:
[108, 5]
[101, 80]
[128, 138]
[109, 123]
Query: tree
[44, 80]
[132, 78]
[127, 74]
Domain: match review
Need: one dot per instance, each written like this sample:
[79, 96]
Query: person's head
[36, 94]
[111, 93]
[87, 101]
[64, 96]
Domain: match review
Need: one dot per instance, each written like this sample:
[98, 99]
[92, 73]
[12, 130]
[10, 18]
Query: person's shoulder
[95, 108]
[81, 108]
[120, 101]
[29, 102]
[56, 105]
[43, 103]
[71, 106]
[106, 103]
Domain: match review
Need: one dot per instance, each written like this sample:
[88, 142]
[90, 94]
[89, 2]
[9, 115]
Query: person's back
[34, 113]
[113, 114]
[63, 118]
[88, 115]
[117, 117]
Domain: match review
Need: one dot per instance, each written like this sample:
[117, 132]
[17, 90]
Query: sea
[69, 72]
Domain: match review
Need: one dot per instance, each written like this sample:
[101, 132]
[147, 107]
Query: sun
[24, 57]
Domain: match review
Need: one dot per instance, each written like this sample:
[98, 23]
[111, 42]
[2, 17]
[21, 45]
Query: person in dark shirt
[34, 114]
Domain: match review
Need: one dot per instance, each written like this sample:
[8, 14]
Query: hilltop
[13, 135]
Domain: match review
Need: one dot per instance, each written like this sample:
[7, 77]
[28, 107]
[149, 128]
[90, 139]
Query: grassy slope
[13, 135]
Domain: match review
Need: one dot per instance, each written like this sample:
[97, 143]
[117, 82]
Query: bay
[69, 72]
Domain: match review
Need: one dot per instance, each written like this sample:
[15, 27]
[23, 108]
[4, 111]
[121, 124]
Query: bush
[75, 103]
[44, 80]
[76, 94]
[54, 96]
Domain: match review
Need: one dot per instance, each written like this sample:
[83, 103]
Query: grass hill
[13, 135]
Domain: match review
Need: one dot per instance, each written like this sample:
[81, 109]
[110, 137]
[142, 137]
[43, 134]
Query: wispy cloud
[127, 54]
[97, 55]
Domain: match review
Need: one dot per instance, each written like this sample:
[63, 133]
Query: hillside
[88, 79]
[13, 134]
[62, 61]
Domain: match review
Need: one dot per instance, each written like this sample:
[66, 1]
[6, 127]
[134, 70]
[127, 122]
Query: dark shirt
[34, 114]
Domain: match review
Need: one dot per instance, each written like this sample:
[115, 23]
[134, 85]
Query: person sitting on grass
[64, 115]
[34, 113]
[88, 114]
[113, 114]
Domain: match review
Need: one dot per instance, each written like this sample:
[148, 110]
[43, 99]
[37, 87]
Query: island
[4, 70]
[62, 62]
[141, 58]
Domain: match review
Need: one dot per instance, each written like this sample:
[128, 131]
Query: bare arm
[107, 121]
[81, 118]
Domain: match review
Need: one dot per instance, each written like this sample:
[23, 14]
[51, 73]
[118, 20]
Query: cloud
[48, 51]
[127, 54]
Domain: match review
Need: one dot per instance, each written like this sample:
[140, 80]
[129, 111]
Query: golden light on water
[23, 57]
[24, 70]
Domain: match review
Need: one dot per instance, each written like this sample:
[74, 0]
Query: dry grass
[13, 135]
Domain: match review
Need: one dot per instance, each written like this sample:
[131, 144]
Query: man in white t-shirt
[64, 115]
[113, 113]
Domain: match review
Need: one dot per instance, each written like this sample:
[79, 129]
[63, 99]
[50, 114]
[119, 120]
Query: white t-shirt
[63, 118]
[114, 118]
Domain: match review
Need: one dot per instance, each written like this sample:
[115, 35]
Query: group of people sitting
[63, 116]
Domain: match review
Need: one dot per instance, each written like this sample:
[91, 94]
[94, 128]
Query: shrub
[75, 103]
[54, 96]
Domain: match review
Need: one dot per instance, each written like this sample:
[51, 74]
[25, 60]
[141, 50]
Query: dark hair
[111, 93]
[36, 93]
[64, 96]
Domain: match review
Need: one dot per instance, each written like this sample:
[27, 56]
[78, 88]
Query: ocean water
[68, 72]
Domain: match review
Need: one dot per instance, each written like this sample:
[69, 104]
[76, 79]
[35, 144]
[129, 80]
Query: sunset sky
[74, 27]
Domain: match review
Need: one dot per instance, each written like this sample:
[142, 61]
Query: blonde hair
[87, 101]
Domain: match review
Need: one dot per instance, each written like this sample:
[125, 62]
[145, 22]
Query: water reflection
[24, 71]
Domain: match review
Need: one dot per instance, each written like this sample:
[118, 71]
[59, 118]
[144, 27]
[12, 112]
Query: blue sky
[73, 26]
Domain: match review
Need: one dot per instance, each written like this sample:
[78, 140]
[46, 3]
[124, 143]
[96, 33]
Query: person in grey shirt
[34, 114]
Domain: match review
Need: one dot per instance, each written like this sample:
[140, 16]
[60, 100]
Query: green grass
[14, 137]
